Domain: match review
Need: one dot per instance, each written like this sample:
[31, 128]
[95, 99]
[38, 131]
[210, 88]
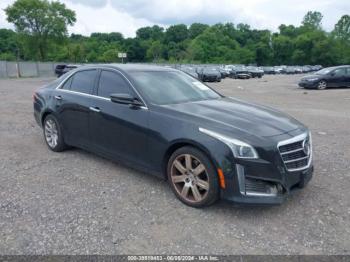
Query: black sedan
[62, 69]
[167, 123]
[338, 76]
[209, 75]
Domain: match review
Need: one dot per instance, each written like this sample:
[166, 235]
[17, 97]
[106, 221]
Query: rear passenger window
[67, 84]
[112, 83]
[339, 72]
[348, 71]
[83, 81]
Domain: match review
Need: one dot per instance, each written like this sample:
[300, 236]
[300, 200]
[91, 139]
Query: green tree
[110, 55]
[155, 51]
[313, 20]
[212, 46]
[155, 33]
[282, 48]
[196, 29]
[342, 28]
[176, 33]
[40, 21]
[8, 44]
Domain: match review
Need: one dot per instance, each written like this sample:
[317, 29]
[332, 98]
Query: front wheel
[53, 134]
[192, 177]
[322, 85]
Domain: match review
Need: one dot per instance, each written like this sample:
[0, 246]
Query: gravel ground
[77, 203]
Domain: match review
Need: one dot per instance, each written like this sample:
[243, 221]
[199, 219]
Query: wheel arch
[44, 115]
[182, 143]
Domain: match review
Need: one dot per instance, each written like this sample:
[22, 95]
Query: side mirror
[125, 99]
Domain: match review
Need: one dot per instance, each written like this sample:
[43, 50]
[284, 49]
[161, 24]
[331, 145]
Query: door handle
[58, 97]
[95, 109]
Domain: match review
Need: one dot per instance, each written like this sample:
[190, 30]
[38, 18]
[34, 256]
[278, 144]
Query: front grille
[291, 147]
[296, 153]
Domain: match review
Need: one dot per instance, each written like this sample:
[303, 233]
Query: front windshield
[171, 87]
[323, 71]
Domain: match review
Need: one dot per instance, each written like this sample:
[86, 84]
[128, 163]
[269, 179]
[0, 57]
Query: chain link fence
[27, 69]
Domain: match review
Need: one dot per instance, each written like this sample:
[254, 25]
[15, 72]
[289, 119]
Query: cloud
[179, 11]
[91, 3]
[3, 21]
[103, 18]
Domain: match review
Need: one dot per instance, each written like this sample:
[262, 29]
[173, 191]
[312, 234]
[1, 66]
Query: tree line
[41, 34]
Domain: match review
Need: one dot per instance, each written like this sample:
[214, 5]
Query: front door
[117, 129]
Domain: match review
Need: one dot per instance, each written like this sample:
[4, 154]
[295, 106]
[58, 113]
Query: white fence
[27, 69]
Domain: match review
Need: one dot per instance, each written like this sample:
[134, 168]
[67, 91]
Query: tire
[322, 85]
[53, 134]
[192, 177]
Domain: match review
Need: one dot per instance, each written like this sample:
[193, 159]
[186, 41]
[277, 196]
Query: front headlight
[312, 79]
[239, 148]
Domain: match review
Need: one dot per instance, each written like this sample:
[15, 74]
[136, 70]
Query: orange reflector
[221, 178]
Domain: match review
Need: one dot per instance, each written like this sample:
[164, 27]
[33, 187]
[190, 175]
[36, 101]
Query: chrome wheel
[322, 85]
[51, 133]
[190, 178]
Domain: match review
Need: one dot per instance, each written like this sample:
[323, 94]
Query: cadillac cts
[167, 123]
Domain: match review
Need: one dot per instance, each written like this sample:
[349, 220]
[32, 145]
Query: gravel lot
[77, 203]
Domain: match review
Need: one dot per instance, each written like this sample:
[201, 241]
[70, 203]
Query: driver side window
[339, 72]
[112, 83]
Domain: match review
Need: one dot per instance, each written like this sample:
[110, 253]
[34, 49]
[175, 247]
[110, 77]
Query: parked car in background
[62, 69]
[59, 69]
[231, 73]
[223, 73]
[337, 76]
[165, 122]
[255, 71]
[242, 72]
[290, 70]
[269, 70]
[280, 69]
[208, 74]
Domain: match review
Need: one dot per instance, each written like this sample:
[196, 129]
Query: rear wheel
[322, 85]
[53, 134]
[192, 177]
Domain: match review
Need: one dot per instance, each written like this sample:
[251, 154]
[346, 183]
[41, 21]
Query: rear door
[118, 129]
[347, 77]
[73, 100]
[337, 78]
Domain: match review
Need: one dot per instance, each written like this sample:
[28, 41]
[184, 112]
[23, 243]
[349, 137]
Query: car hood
[231, 115]
[310, 77]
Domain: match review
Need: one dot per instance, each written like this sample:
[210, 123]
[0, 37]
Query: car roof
[335, 67]
[130, 67]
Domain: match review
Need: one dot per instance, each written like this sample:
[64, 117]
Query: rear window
[83, 81]
[348, 71]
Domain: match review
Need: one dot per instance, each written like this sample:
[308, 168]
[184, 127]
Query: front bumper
[291, 183]
[271, 178]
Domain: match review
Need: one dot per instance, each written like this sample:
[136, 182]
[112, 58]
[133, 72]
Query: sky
[126, 16]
